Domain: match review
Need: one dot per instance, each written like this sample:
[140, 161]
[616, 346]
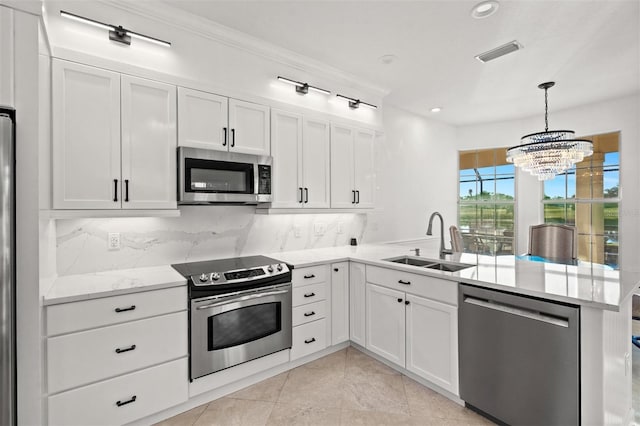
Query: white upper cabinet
[203, 119]
[114, 140]
[148, 144]
[249, 128]
[352, 167]
[301, 161]
[86, 137]
[216, 122]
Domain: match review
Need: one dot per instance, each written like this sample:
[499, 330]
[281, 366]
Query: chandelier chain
[546, 111]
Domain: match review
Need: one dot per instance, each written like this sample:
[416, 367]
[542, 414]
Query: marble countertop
[71, 288]
[584, 284]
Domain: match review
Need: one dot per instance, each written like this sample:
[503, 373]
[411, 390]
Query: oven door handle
[243, 298]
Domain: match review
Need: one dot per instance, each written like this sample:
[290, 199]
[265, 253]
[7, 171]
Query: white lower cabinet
[122, 399]
[432, 341]
[414, 332]
[339, 302]
[385, 323]
[309, 338]
[357, 294]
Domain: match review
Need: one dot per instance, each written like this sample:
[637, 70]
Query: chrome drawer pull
[313, 339]
[309, 276]
[120, 403]
[309, 295]
[404, 282]
[130, 308]
[130, 348]
[309, 314]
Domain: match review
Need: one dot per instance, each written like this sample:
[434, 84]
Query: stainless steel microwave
[207, 176]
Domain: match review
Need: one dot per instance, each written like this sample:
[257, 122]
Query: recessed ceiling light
[436, 109]
[485, 9]
[387, 59]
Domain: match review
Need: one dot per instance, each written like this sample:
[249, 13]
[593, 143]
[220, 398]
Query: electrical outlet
[113, 242]
[319, 229]
[297, 232]
[340, 228]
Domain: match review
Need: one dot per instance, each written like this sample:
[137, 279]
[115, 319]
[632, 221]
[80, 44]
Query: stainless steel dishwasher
[519, 357]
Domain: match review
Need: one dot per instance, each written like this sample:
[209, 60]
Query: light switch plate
[297, 232]
[319, 229]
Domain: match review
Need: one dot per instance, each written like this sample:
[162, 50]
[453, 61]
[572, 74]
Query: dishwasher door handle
[534, 315]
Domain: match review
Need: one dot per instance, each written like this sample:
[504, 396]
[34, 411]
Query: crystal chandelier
[549, 153]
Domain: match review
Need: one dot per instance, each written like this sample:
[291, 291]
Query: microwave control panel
[264, 179]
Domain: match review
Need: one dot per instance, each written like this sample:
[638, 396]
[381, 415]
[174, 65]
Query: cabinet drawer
[89, 356]
[432, 288]
[155, 389]
[86, 314]
[311, 312]
[309, 338]
[310, 275]
[308, 294]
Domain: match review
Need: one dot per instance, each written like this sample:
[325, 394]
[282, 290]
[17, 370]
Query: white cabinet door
[339, 302]
[148, 144]
[86, 137]
[385, 323]
[249, 127]
[342, 185]
[316, 163]
[202, 120]
[432, 341]
[286, 148]
[363, 165]
[357, 294]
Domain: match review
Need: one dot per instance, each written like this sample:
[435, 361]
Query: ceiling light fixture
[436, 109]
[355, 103]
[303, 88]
[485, 9]
[116, 33]
[499, 51]
[546, 154]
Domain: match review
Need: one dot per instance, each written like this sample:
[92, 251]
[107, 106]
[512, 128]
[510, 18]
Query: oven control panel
[240, 275]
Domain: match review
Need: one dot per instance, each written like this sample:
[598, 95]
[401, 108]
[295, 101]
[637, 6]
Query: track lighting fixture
[355, 103]
[116, 33]
[303, 88]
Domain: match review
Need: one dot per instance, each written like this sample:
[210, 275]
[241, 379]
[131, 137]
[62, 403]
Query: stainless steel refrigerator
[7, 268]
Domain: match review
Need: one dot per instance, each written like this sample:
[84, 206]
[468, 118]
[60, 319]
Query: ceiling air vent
[492, 54]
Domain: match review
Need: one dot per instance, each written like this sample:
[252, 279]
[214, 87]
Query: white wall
[615, 115]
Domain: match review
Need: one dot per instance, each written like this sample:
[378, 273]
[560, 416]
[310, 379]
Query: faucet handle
[417, 250]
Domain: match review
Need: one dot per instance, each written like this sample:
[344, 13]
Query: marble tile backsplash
[200, 233]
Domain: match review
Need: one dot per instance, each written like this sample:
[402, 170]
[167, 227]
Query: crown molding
[197, 25]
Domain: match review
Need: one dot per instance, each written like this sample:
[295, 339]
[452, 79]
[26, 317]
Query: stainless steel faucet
[417, 250]
[443, 250]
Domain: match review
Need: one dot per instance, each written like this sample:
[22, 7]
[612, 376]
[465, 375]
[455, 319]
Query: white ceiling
[590, 48]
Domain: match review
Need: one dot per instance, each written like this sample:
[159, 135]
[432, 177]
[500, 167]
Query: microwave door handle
[243, 298]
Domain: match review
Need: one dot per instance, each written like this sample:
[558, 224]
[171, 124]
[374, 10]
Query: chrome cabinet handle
[243, 298]
[233, 138]
[309, 276]
[358, 194]
[224, 141]
[130, 348]
[306, 195]
[354, 196]
[130, 308]
[404, 282]
[115, 190]
[309, 314]
[126, 190]
[301, 197]
[309, 295]
[522, 312]
[121, 403]
[313, 339]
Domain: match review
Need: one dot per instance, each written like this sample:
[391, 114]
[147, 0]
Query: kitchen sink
[429, 263]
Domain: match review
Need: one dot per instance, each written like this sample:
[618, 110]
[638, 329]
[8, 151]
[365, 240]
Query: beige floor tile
[290, 415]
[187, 418]
[266, 390]
[359, 362]
[236, 412]
[313, 387]
[376, 418]
[380, 392]
[336, 361]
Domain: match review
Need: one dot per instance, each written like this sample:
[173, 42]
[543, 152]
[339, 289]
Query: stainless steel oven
[239, 310]
[208, 176]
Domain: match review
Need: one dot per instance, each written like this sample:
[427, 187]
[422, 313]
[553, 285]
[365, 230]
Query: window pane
[611, 182]
[467, 219]
[611, 234]
[583, 183]
[505, 187]
[584, 247]
[571, 184]
[505, 217]
[555, 188]
[468, 190]
[554, 213]
[505, 169]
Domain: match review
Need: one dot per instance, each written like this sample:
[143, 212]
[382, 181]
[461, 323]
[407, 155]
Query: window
[486, 202]
[586, 197]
